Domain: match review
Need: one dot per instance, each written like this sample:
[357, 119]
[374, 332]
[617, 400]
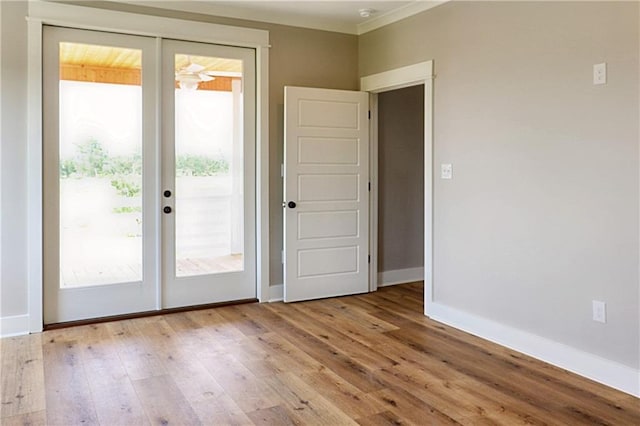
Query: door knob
[167, 209]
[292, 205]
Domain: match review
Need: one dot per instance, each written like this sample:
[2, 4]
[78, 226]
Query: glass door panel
[208, 165]
[100, 164]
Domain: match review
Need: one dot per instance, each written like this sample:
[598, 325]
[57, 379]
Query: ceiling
[330, 15]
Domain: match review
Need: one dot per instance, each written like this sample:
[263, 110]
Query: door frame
[399, 78]
[88, 18]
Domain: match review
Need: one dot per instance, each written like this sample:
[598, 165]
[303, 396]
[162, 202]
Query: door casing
[46, 13]
[412, 75]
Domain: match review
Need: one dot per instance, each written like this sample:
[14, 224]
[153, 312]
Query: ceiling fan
[190, 76]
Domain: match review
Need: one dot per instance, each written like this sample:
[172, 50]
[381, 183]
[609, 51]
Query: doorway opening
[401, 186]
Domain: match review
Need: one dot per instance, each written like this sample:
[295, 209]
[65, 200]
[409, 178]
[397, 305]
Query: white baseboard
[607, 372]
[400, 276]
[276, 293]
[14, 326]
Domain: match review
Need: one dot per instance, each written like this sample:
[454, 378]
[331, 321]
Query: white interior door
[326, 193]
[208, 187]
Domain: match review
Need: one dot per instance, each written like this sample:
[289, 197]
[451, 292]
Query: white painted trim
[373, 194]
[41, 13]
[428, 188]
[229, 10]
[398, 78]
[639, 218]
[262, 174]
[395, 15]
[413, 75]
[601, 370]
[638, 236]
[295, 19]
[17, 325]
[1, 208]
[276, 293]
[34, 176]
[153, 26]
[400, 276]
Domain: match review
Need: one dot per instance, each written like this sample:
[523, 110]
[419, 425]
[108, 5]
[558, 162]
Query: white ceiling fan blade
[193, 68]
[188, 77]
[205, 77]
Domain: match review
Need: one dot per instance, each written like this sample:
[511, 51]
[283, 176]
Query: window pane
[100, 165]
[209, 165]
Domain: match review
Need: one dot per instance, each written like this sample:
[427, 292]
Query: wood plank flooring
[372, 359]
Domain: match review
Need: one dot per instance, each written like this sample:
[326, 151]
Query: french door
[149, 176]
[208, 182]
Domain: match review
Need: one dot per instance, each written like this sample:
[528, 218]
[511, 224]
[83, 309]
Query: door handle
[167, 209]
[291, 204]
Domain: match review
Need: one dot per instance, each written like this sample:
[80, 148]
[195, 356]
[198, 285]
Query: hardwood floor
[372, 360]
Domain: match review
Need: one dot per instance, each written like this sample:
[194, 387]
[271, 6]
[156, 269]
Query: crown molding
[396, 15]
[294, 19]
[246, 13]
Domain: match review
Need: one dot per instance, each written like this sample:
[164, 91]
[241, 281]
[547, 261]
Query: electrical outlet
[599, 311]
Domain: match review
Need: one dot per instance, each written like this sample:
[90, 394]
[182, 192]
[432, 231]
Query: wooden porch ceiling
[117, 65]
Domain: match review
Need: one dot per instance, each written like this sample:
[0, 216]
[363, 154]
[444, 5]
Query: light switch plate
[446, 171]
[599, 311]
[600, 73]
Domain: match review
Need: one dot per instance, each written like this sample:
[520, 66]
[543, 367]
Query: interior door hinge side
[369, 259]
[369, 186]
[369, 115]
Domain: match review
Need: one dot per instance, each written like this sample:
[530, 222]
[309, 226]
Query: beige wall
[400, 179]
[13, 67]
[541, 216]
[298, 57]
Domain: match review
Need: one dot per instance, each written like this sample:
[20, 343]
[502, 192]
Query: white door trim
[45, 13]
[412, 75]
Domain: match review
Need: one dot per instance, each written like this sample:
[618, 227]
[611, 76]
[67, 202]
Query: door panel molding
[326, 175]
